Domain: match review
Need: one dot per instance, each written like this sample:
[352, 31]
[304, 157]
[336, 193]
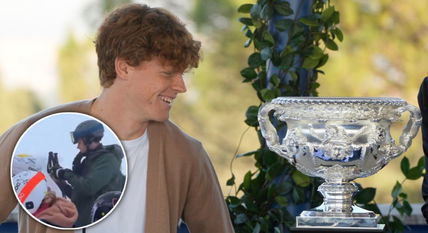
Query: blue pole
[301, 8]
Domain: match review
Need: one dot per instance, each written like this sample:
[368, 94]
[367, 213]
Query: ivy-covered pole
[279, 27]
[289, 41]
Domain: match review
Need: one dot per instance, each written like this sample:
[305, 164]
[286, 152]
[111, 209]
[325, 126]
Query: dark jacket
[94, 173]
[423, 105]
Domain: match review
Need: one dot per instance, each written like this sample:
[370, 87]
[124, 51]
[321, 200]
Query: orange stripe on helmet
[30, 185]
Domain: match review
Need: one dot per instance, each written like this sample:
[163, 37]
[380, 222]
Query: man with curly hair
[142, 55]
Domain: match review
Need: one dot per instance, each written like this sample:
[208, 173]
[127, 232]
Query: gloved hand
[53, 165]
[63, 173]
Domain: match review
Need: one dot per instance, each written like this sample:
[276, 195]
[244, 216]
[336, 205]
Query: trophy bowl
[338, 139]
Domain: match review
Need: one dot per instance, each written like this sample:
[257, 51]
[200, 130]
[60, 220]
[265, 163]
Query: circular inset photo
[68, 170]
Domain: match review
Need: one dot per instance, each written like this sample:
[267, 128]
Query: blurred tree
[77, 70]
[16, 104]
[384, 54]
[77, 59]
[213, 109]
[384, 48]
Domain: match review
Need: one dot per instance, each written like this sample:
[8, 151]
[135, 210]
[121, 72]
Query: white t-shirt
[129, 214]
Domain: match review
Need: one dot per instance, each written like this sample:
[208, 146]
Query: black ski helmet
[103, 204]
[90, 131]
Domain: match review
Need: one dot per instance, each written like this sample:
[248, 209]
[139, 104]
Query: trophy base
[319, 218]
[379, 229]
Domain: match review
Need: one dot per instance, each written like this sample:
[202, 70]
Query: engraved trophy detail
[339, 140]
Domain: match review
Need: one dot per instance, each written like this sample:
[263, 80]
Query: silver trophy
[339, 140]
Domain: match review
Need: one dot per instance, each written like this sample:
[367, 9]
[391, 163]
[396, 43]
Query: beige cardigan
[181, 181]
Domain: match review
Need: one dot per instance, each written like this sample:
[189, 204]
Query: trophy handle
[269, 132]
[412, 127]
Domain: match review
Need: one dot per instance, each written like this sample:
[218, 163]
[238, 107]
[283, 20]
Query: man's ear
[121, 67]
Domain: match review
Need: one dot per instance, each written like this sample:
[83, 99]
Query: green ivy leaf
[274, 80]
[338, 33]
[231, 181]
[421, 163]
[267, 94]
[246, 21]
[403, 195]
[269, 157]
[255, 60]
[300, 179]
[246, 154]
[298, 195]
[266, 53]
[323, 60]
[309, 22]
[372, 207]
[310, 63]
[396, 190]
[281, 200]
[251, 116]
[293, 75]
[247, 180]
[240, 218]
[366, 195]
[284, 188]
[286, 61]
[407, 208]
[414, 173]
[317, 53]
[255, 11]
[245, 8]
[315, 85]
[268, 37]
[274, 170]
[249, 74]
[248, 42]
[330, 44]
[249, 33]
[284, 25]
[256, 228]
[266, 12]
[405, 165]
[336, 17]
[283, 8]
[327, 13]
[397, 225]
[234, 201]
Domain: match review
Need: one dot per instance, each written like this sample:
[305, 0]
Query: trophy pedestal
[380, 228]
[358, 218]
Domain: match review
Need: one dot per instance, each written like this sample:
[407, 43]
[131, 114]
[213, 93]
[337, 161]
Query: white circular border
[126, 170]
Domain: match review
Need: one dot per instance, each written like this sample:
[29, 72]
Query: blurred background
[47, 57]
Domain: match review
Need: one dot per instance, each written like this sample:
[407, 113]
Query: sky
[31, 32]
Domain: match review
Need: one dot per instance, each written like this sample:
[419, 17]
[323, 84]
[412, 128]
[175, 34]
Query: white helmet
[25, 162]
[30, 188]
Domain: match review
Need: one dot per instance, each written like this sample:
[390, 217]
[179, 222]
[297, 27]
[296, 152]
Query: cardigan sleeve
[7, 198]
[205, 210]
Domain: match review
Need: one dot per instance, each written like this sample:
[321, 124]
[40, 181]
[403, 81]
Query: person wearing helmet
[35, 196]
[104, 204]
[143, 53]
[96, 169]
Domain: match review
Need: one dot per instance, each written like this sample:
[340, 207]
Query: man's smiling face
[152, 88]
